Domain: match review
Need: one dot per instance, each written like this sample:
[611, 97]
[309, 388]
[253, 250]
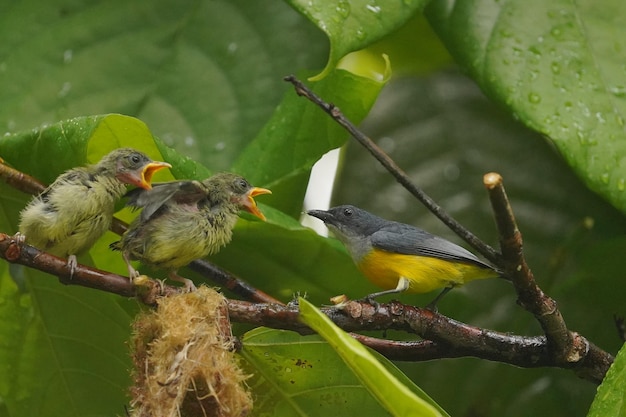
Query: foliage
[205, 78]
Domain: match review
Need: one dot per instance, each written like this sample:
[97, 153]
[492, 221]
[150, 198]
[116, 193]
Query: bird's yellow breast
[425, 274]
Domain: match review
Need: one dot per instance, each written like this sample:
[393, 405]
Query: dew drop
[556, 32]
[373, 9]
[605, 178]
[534, 98]
[68, 55]
[65, 89]
[618, 90]
[343, 8]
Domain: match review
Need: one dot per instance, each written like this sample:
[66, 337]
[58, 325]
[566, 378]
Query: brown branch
[15, 252]
[19, 180]
[446, 338]
[334, 112]
[530, 296]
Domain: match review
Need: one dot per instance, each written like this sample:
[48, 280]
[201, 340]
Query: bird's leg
[132, 272]
[403, 285]
[72, 263]
[432, 306]
[189, 285]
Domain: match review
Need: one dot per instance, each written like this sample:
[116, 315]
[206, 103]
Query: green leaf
[611, 397]
[354, 24]
[303, 375]
[204, 75]
[60, 346]
[396, 397]
[299, 133]
[48, 151]
[558, 66]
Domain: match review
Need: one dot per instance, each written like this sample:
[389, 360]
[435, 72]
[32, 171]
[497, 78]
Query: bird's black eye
[135, 159]
[347, 212]
[241, 183]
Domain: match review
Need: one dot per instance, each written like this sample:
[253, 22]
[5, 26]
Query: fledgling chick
[77, 208]
[183, 221]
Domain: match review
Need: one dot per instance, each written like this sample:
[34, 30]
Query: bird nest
[184, 360]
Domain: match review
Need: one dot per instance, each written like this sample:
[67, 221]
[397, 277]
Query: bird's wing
[409, 240]
[178, 192]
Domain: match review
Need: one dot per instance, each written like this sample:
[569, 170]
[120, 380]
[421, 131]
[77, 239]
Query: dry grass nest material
[184, 360]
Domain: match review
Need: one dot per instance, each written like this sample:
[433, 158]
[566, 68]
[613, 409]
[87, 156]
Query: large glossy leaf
[558, 66]
[354, 24]
[204, 75]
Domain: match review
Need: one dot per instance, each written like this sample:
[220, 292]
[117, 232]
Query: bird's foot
[432, 306]
[72, 263]
[133, 274]
[188, 284]
[371, 301]
[19, 238]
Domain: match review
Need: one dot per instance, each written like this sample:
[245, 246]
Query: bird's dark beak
[323, 215]
[148, 171]
[250, 205]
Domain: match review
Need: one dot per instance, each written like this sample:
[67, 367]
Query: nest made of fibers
[184, 360]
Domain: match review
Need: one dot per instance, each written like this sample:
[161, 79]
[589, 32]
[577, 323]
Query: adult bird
[399, 257]
[182, 221]
[77, 208]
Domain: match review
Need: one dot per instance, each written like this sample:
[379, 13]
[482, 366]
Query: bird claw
[19, 238]
[189, 285]
[72, 263]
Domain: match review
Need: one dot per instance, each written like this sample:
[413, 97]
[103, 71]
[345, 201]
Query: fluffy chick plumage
[77, 208]
[183, 221]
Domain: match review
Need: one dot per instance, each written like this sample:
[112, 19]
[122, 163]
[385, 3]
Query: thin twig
[19, 180]
[530, 296]
[334, 112]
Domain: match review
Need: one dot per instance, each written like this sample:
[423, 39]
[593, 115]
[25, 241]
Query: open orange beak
[250, 205]
[148, 171]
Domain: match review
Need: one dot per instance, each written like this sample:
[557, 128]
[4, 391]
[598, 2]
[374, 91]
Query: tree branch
[446, 338]
[563, 343]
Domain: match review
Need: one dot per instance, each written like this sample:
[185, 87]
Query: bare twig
[530, 296]
[486, 250]
[19, 180]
